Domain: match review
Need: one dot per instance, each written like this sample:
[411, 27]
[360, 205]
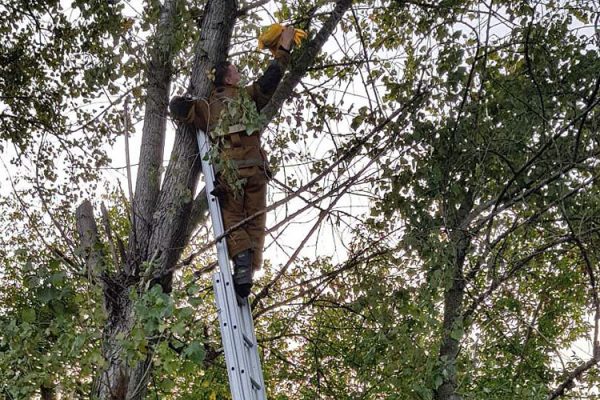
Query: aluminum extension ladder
[235, 318]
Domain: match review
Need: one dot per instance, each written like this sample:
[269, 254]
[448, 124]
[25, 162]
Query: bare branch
[245, 9]
[128, 164]
[107, 228]
[89, 242]
[569, 381]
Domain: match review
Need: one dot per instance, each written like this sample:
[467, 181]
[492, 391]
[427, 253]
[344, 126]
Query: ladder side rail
[213, 204]
[248, 325]
[231, 361]
[238, 367]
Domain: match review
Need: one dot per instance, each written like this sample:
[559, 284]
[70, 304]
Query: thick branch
[109, 235]
[453, 302]
[172, 216]
[570, 380]
[251, 6]
[88, 239]
[159, 73]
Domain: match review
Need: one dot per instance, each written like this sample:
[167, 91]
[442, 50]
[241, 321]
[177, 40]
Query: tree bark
[453, 301]
[47, 393]
[89, 244]
[113, 380]
[159, 74]
[453, 304]
[111, 383]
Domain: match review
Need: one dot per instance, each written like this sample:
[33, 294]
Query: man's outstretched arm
[264, 87]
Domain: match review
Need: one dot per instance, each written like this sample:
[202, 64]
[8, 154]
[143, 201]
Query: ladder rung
[248, 341]
[255, 384]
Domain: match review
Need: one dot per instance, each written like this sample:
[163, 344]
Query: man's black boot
[242, 273]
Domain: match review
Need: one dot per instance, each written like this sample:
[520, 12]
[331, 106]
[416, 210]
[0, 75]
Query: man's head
[226, 74]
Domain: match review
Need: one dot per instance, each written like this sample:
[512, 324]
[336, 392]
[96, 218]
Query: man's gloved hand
[181, 108]
[278, 35]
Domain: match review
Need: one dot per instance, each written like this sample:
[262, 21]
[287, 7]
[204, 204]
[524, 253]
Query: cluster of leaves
[240, 110]
[52, 318]
[49, 319]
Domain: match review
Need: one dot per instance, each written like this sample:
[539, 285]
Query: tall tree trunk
[159, 73]
[453, 304]
[113, 380]
[47, 393]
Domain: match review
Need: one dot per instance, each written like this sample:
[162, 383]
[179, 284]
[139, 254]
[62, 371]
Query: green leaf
[195, 352]
[57, 278]
[457, 333]
[47, 294]
[28, 315]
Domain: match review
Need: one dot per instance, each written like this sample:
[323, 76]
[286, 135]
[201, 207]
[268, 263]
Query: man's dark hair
[221, 70]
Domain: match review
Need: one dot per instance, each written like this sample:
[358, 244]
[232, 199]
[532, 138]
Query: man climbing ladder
[229, 144]
[240, 162]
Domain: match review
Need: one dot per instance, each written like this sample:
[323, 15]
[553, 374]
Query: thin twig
[128, 162]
